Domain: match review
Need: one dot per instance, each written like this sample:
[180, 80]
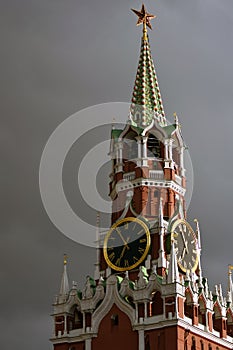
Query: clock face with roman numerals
[185, 244]
[126, 244]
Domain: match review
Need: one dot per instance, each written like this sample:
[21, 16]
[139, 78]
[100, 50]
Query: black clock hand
[183, 254]
[185, 242]
[120, 234]
[123, 250]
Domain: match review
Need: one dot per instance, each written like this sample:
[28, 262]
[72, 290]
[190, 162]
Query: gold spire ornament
[144, 17]
[65, 259]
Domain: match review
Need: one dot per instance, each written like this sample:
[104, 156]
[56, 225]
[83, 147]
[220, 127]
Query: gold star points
[144, 17]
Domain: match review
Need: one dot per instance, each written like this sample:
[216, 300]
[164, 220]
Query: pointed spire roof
[97, 264]
[173, 273]
[161, 259]
[198, 234]
[146, 100]
[161, 223]
[64, 289]
[230, 285]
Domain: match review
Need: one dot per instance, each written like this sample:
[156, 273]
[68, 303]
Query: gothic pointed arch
[156, 304]
[229, 316]
[202, 310]
[112, 297]
[188, 303]
[76, 318]
[217, 316]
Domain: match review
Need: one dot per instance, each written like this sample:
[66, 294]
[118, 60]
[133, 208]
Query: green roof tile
[146, 98]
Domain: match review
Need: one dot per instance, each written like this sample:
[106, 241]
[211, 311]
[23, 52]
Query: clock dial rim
[142, 258]
[190, 229]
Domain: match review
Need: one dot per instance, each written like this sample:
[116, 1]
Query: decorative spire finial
[230, 285]
[144, 18]
[65, 259]
[97, 264]
[64, 287]
[173, 273]
[146, 100]
[198, 234]
[161, 260]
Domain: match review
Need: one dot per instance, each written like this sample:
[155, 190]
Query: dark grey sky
[58, 57]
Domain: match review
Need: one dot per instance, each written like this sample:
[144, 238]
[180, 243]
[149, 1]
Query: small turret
[173, 273]
[64, 288]
[230, 285]
[162, 263]
[198, 234]
[97, 264]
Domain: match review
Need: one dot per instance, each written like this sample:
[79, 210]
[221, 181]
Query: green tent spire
[146, 100]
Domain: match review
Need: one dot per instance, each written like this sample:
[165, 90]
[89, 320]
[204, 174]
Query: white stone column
[54, 326]
[144, 151]
[84, 322]
[145, 309]
[88, 344]
[166, 149]
[170, 149]
[138, 138]
[144, 147]
[119, 154]
[120, 147]
[141, 341]
[65, 324]
[136, 312]
[206, 320]
[116, 153]
[182, 161]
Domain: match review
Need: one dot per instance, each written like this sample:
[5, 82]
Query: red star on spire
[144, 17]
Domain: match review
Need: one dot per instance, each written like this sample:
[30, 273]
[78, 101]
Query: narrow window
[193, 344]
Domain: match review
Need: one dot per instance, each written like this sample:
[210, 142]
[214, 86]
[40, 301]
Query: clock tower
[148, 291]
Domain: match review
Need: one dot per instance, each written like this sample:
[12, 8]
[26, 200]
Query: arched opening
[202, 345]
[156, 304]
[201, 311]
[193, 346]
[176, 159]
[147, 342]
[229, 323]
[188, 305]
[76, 320]
[217, 318]
[154, 147]
[130, 150]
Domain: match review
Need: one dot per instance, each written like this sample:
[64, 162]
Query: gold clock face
[185, 244]
[126, 244]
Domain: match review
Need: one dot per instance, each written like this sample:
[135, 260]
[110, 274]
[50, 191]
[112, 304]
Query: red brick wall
[190, 337]
[115, 337]
[73, 346]
[163, 339]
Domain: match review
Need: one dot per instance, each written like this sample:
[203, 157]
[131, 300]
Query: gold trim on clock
[134, 237]
[186, 245]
